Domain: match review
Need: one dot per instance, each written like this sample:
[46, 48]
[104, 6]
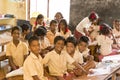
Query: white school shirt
[57, 63]
[85, 23]
[78, 57]
[116, 33]
[33, 66]
[105, 44]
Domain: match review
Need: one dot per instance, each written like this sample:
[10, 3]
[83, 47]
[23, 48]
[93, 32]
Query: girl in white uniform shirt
[63, 29]
[83, 26]
[105, 41]
[116, 31]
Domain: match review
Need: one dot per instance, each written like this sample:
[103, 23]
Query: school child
[58, 17]
[44, 42]
[88, 59]
[105, 40]
[52, 32]
[26, 33]
[33, 67]
[56, 60]
[16, 50]
[39, 22]
[83, 27]
[116, 31]
[63, 29]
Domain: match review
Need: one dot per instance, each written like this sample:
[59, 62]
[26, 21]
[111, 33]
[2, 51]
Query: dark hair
[57, 38]
[93, 16]
[15, 28]
[41, 31]
[32, 38]
[25, 27]
[65, 23]
[53, 21]
[83, 39]
[105, 29]
[59, 13]
[39, 17]
[71, 40]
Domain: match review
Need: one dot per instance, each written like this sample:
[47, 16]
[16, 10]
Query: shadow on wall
[108, 10]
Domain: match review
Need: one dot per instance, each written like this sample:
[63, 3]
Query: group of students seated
[54, 53]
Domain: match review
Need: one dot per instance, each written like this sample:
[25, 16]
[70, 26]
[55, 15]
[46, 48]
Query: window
[41, 6]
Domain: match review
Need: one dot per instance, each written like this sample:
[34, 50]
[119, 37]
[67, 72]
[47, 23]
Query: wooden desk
[101, 77]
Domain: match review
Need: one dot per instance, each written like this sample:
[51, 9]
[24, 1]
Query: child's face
[70, 47]
[58, 16]
[53, 26]
[82, 46]
[35, 47]
[26, 32]
[117, 25]
[40, 21]
[59, 45]
[16, 35]
[62, 26]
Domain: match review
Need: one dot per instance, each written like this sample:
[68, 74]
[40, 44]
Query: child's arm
[86, 32]
[35, 77]
[79, 66]
[11, 63]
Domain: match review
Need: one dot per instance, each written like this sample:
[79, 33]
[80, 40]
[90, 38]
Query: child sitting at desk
[33, 67]
[57, 60]
[71, 44]
[16, 50]
[105, 41]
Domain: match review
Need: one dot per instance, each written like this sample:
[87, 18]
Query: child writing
[16, 50]
[105, 41]
[33, 67]
[57, 60]
[83, 27]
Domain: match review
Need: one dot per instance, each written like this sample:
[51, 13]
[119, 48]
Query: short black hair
[15, 28]
[39, 16]
[57, 38]
[25, 27]
[71, 40]
[41, 31]
[32, 38]
[53, 21]
[105, 29]
[83, 39]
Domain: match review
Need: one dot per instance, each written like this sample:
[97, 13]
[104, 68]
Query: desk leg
[2, 48]
[114, 76]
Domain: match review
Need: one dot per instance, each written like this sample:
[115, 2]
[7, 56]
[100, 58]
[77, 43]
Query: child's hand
[90, 57]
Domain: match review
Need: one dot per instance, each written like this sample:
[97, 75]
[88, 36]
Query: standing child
[57, 60]
[58, 17]
[33, 67]
[16, 50]
[83, 27]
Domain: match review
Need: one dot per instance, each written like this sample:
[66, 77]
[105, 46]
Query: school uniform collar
[18, 43]
[34, 56]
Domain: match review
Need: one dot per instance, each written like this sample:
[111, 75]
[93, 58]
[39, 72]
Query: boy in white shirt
[33, 67]
[16, 50]
[57, 60]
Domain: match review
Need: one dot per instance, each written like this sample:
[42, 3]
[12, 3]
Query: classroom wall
[11, 7]
[107, 10]
[2, 6]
